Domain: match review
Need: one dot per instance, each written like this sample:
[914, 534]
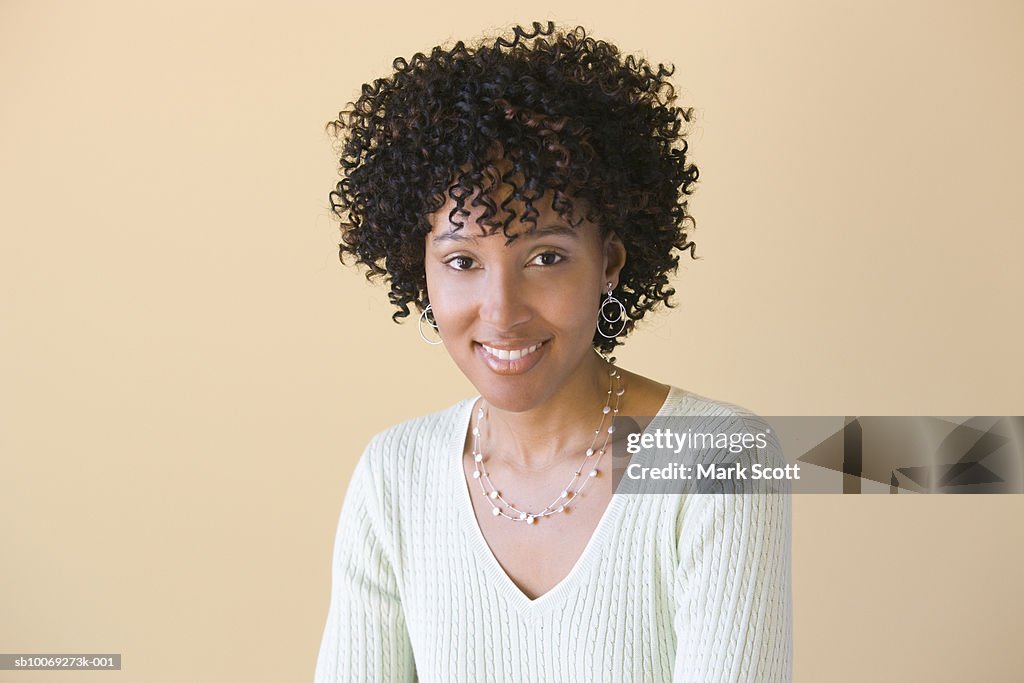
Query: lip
[511, 367]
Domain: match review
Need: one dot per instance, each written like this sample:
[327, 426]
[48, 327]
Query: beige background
[188, 374]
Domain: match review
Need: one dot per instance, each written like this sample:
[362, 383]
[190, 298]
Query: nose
[504, 303]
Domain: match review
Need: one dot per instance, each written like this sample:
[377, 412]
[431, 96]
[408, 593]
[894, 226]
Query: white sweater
[681, 587]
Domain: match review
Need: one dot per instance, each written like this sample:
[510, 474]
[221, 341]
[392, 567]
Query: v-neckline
[467, 512]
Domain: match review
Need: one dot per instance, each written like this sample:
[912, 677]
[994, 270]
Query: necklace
[500, 506]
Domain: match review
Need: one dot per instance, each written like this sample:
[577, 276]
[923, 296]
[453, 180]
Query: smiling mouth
[511, 354]
[512, 361]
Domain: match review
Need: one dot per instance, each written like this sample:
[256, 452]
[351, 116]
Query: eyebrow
[538, 232]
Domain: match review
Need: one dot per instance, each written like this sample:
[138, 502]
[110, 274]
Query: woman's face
[518, 320]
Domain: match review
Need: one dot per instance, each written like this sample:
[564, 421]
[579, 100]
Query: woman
[528, 197]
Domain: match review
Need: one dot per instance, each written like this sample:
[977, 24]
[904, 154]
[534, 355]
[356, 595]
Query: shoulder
[405, 464]
[400, 450]
[699, 412]
[684, 403]
[741, 438]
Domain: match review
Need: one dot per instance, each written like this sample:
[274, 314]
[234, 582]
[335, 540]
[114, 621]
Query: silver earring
[619, 316]
[431, 322]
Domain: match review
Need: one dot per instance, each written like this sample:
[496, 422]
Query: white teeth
[514, 354]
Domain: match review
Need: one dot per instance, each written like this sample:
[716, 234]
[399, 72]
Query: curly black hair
[546, 113]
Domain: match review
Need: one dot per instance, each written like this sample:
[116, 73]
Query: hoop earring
[611, 320]
[431, 322]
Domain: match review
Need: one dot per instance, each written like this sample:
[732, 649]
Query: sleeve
[733, 620]
[365, 638]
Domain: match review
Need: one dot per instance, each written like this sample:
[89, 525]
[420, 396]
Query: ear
[614, 259]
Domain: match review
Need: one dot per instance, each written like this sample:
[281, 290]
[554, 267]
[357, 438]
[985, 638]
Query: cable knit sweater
[680, 587]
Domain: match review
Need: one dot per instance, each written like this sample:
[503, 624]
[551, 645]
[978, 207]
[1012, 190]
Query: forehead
[440, 238]
[508, 218]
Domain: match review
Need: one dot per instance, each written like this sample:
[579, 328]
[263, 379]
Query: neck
[559, 429]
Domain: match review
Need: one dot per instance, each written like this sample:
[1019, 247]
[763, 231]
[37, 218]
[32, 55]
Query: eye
[548, 258]
[460, 263]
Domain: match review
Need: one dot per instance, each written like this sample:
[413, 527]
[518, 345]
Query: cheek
[452, 305]
[577, 313]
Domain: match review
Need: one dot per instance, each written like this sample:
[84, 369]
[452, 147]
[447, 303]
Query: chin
[512, 394]
[515, 385]
[514, 403]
